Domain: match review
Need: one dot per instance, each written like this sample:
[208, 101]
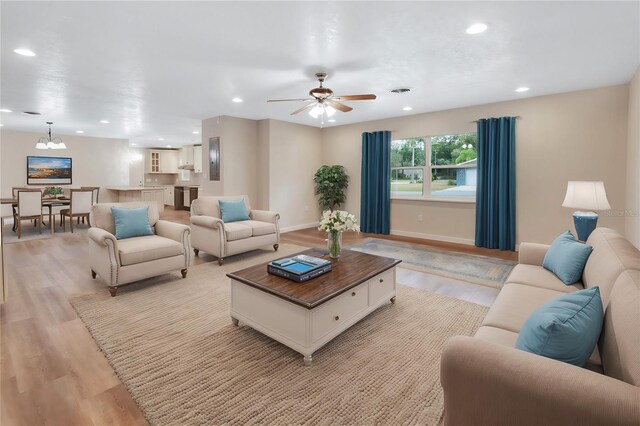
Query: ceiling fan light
[329, 110]
[316, 111]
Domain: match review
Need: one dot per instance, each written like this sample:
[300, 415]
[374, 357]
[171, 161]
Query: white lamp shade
[588, 195]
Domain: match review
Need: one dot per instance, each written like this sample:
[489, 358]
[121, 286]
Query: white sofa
[210, 234]
[120, 262]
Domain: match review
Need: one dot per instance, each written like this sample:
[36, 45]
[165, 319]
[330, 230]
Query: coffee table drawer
[336, 312]
[381, 285]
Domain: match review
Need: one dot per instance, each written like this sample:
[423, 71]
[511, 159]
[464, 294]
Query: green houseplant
[331, 184]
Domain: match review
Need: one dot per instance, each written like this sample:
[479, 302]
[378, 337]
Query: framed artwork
[48, 170]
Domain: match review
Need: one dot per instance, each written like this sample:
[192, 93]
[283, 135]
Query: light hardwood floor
[52, 372]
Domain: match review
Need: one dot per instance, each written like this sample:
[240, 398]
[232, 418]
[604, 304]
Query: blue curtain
[375, 194]
[496, 191]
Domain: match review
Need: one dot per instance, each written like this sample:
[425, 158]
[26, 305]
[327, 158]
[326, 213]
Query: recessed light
[236, 100]
[105, 121]
[79, 131]
[476, 28]
[168, 146]
[24, 52]
[134, 144]
[407, 108]
[5, 110]
[160, 139]
[332, 120]
[522, 89]
[1, 124]
[195, 132]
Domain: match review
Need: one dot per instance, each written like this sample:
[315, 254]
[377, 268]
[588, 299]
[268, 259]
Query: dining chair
[14, 207]
[29, 207]
[80, 203]
[96, 194]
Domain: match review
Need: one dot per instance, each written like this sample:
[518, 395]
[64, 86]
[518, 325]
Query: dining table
[49, 202]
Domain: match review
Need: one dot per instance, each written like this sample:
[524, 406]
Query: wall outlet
[419, 218]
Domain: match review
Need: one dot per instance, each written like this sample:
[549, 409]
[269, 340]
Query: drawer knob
[336, 318]
[353, 293]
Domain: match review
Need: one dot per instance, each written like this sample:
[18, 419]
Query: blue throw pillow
[131, 222]
[233, 210]
[566, 328]
[566, 258]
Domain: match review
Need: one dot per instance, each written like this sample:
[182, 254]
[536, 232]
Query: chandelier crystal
[49, 142]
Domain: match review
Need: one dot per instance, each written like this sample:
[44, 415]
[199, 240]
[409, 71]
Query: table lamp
[588, 195]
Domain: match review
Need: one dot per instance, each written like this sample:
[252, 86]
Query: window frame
[427, 173]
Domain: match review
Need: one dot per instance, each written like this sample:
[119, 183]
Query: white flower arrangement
[338, 221]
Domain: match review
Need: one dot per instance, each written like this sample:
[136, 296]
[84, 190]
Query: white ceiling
[156, 69]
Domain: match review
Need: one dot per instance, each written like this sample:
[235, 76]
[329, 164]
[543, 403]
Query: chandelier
[49, 142]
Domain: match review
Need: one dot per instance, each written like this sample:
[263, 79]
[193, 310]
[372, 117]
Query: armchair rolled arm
[265, 216]
[174, 231]
[102, 237]
[532, 253]
[489, 384]
[207, 221]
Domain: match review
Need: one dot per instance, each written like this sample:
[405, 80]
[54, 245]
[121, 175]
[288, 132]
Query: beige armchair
[124, 261]
[210, 234]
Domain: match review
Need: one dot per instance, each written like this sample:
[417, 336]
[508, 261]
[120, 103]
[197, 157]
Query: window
[448, 162]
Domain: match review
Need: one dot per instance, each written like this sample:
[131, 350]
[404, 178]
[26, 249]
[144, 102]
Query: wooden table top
[44, 200]
[353, 268]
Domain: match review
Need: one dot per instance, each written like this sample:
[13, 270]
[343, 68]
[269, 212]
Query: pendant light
[49, 142]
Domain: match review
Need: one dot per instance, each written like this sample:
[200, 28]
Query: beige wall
[632, 211]
[570, 136]
[263, 166]
[96, 161]
[295, 153]
[238, 165]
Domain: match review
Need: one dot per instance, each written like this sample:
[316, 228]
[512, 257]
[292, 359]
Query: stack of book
[299, 268]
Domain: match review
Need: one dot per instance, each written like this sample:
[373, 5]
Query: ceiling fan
[322, 100]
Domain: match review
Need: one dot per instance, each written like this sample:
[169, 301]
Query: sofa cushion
[131, 222]
[566, 328]
[233, 210]
[237, 231]
[260, 228]
[612, 254]
[101, 216]
[514, 304]
[567, 257]
[620, 342]
[537, 276]
[144, 249]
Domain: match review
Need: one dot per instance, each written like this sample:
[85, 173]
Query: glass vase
[334, 244]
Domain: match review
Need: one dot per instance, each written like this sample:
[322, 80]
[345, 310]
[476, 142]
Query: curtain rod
[475, 121]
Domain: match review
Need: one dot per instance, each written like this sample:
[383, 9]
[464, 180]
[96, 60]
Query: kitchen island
[140, 193]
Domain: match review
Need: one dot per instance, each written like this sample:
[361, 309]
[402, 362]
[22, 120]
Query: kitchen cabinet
[168, 195]
[186, 156]
[161, 161]
[197, 159]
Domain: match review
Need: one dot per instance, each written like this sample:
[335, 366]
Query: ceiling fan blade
[304, 108]
[338, 105]
[288, 100]
[366, 97]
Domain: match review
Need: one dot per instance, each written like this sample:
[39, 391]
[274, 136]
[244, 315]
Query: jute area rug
[483, 270]
[173, 346]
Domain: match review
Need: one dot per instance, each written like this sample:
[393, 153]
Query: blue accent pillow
[565, 328]
[131, 222]
[233, 210]
[566, 258]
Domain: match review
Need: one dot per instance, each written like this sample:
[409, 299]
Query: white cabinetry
[161, 161]
[168, 195]
[186, 156]
[197, 159]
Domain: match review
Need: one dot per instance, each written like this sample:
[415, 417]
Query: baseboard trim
[433, 237]
[299, 227]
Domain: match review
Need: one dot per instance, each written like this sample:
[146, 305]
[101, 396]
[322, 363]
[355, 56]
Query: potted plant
[331, 184]
[53, 191]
